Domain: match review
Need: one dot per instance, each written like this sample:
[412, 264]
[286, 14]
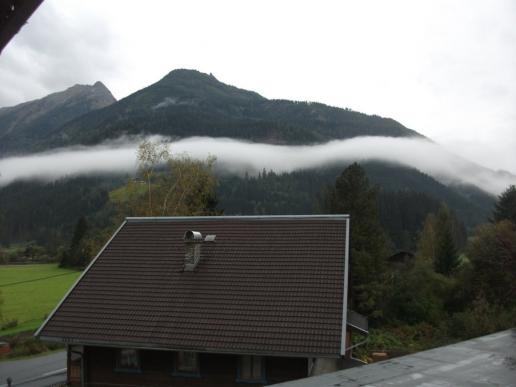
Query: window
[251, 369]
[128, 360]
[187, 363]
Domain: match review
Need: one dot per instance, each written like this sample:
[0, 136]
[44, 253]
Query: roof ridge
[237, 217]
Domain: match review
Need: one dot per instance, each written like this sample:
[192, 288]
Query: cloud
[78, 161]
[237, 156]
[169, 101]
[63, 44]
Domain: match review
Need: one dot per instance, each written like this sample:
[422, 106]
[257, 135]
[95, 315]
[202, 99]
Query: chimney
[193, 240]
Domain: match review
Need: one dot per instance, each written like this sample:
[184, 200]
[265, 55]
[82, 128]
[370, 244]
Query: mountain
[190, 103]
[29, 123]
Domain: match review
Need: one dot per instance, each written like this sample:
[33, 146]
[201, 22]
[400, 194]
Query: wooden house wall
[157, 370]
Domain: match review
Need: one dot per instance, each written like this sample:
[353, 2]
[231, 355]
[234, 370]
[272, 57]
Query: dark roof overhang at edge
[13, 15]
[269, 285]
[358, 322]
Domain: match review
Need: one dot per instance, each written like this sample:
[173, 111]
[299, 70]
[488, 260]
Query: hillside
[24, 125]
[406, 197]
[47, 212]
[189, 103]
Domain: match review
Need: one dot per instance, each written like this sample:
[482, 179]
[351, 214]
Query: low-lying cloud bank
[238, 156]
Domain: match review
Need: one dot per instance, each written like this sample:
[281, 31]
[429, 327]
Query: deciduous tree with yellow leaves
[168, 185]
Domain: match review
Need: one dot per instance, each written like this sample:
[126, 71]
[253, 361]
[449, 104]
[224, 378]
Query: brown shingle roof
[268, 285]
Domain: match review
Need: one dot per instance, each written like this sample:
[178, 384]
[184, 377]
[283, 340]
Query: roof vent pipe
[193, 240]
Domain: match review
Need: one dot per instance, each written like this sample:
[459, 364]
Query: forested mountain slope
[47, 212]
[406, 197]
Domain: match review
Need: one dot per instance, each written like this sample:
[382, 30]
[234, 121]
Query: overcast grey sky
[446, 68]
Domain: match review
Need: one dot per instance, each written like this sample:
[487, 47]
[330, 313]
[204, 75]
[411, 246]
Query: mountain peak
[99, 86]
[195, 84]
[187, 73]
[96, 91]
[35, 120]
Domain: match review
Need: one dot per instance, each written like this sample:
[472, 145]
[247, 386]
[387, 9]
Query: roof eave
[157, 347]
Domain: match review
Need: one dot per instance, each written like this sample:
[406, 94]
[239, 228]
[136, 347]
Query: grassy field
[30, 292]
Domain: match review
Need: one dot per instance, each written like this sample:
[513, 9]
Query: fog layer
[237, 156]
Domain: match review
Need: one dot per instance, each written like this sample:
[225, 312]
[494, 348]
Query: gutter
[343, 348]
[157, 347]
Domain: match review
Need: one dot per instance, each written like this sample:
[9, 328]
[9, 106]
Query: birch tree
[168, 185]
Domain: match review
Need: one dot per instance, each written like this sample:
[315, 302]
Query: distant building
[210, 301]
[401, 257]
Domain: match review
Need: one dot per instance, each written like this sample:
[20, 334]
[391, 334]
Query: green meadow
[30, 293]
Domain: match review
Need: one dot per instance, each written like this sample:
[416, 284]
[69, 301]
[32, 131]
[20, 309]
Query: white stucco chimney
[193, 240]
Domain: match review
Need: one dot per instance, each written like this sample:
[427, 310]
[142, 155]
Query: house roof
[267, 286]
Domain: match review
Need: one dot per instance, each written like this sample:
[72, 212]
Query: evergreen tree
[81, 228]
[427, 242]
[446, 257]
[353, 195]
[79, 253]
[505, 207]
[438, 241]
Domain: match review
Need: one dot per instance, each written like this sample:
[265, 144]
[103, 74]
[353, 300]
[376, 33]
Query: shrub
[480, 319]
[9, 324]
[401, 340]
[26, 345]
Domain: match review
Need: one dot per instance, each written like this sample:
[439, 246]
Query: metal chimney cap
[210, 238]
[192, 236]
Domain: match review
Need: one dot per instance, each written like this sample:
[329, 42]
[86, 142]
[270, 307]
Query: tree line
[452, 287]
